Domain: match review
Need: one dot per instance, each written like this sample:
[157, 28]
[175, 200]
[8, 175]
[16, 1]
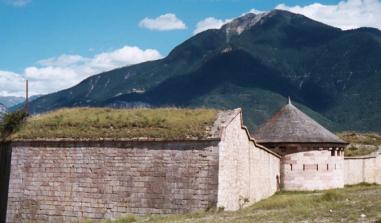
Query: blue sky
[47, 28]
[35, 30]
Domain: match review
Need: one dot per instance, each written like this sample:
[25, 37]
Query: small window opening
[332, 152]
[327, 166]
[338, 152]
[304, 167]
[291, 167]
[317, 167]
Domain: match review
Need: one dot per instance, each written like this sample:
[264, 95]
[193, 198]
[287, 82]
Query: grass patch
[361, 138]
[350, 204]
[360, 150]
[361, 143]
[95, 123]
[331, 195]
[128, 218]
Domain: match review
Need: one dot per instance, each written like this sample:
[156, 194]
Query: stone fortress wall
[363, 169]
[65, 181]
[70, 180]
[247, 172]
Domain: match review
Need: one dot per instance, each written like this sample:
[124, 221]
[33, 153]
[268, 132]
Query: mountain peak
[249, 20]
[245, 22]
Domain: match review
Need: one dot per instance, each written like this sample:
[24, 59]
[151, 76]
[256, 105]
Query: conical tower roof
[290, 125]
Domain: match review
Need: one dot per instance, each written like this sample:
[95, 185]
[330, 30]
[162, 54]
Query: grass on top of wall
[359, 203]
[361, 143]
[97, 123]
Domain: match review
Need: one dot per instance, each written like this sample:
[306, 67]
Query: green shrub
[12, 122]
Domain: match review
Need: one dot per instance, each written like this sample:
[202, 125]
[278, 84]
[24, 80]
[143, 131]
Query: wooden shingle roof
[290, 125]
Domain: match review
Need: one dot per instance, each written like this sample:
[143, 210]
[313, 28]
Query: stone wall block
[55, 184]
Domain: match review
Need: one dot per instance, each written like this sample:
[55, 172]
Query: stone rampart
[70, 180]
[247, 171]
[65, 181]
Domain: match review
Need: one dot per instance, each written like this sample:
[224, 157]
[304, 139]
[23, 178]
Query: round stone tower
[312, 156]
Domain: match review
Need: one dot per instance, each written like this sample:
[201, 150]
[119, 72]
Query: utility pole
[26, 97]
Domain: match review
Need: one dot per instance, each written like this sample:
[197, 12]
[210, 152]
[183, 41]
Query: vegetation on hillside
[361, 143]
[96, 123]
[360, 203]
[11, 122]
[333, 72]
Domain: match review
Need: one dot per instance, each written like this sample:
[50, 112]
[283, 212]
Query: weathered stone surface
[66, 181]
[308, 169]
[247, 172]
[64, 184]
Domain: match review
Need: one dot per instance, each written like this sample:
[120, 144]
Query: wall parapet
[120, 143]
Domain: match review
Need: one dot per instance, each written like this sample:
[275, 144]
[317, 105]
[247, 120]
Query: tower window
[332, 152]
[327, 166]
[291, 167]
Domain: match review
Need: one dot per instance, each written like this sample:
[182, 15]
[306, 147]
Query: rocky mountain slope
[254, 62]
[10, 101]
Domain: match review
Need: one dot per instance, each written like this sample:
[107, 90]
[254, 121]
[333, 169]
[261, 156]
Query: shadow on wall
[5, 164]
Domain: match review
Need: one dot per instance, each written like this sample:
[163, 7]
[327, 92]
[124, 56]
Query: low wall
[366, 169]
[247, 172]
[68, 181]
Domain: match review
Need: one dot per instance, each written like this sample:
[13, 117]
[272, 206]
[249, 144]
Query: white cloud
[11, 84]
[164, 22]
[347, 14]
[18, 3]
[63, 60]
[61, 72]
[210, 23]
